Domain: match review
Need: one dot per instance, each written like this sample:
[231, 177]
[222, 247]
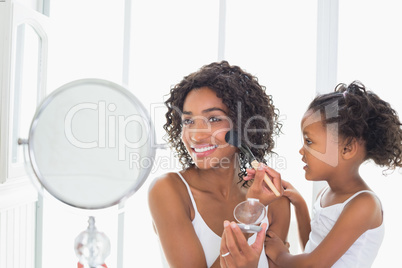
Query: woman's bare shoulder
[167, 183]
[168, 189]
[165, 180]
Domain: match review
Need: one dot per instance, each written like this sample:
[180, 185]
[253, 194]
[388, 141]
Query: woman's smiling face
[205, 123]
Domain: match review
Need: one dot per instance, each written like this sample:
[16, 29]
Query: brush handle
[267, 180]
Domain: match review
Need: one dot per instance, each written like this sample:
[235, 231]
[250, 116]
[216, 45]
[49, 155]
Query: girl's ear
[350, 148]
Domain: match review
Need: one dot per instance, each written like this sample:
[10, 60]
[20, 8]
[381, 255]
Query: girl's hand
[274, 246]
[236, 252]
[291, 193]
[259, 189]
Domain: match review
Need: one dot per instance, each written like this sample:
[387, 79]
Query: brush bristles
[232, 138]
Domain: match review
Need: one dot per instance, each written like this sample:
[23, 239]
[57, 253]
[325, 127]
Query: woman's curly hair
[362, 115]
[248, 104]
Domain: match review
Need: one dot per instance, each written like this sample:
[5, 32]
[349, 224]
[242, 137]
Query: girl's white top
[363, 251]
[210, 241]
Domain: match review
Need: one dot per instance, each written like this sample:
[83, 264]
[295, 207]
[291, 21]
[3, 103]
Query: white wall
[370, 42]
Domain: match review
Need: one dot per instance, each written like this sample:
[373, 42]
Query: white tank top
[210, 241]
[363, 251]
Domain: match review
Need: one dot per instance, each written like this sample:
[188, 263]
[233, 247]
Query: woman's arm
[359, 215]
[279, 220]
[279, 217]
[170, 207]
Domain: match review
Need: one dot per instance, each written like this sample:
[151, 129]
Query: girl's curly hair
[361, 114]
[250, 109]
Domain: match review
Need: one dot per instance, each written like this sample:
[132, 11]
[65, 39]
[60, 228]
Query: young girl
[189, 207]
[341, 130]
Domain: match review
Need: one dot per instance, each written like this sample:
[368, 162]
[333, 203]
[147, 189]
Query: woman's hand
[236, 252]
[259, 189]
[274, 246]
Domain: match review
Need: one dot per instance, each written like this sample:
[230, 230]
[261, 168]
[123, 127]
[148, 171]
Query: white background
[274, 40]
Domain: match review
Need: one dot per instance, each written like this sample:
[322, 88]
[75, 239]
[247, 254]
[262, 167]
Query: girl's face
[320, 149]
[205, 123]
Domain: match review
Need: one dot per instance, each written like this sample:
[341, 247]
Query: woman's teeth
[204, 149]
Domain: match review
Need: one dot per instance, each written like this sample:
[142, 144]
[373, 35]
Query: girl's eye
[187, 121]
[308, 142]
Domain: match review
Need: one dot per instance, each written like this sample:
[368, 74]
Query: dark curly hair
[245, 98]
[362, 115]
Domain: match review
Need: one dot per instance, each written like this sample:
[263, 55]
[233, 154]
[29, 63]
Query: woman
[190, 207]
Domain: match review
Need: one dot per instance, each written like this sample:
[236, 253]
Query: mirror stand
[91, 246]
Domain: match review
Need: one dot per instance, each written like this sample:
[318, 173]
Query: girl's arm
[301, 211]
[359, 215]
[170, 208]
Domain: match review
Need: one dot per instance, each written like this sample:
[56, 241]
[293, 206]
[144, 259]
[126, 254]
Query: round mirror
[91, 144]
[250, 214]
[250, 211]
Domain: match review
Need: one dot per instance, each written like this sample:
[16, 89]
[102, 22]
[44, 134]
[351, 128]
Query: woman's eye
[187, 121]
[214, 119]
[308, 142]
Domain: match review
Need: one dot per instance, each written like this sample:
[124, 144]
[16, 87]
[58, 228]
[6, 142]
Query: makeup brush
[232, 138]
